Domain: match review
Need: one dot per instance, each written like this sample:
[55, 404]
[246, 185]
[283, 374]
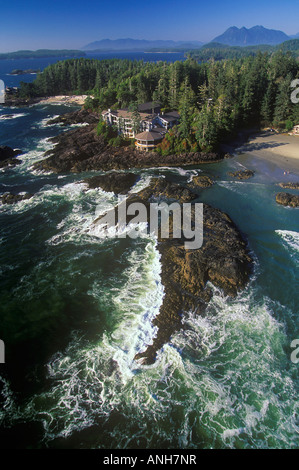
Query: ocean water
[9, 65]
[76, 308]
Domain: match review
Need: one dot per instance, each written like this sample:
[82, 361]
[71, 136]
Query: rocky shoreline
[11, 99]
[289, 185]
[10, 198]
[287, 199]
[82, 149]
[8, 156]
[241, 174]
[223, 259]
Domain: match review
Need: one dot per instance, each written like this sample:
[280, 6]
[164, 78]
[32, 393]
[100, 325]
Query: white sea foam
[7, 117]
[141, 184]
[230, 185]
[8, 409]
[291, 242]
[225, 380]
[29, 158]
[232, 358]
[48, 194]
[79, 124]
[100, 377]
[45, 122]
[188, 173]
[182, 172]
[88, 204]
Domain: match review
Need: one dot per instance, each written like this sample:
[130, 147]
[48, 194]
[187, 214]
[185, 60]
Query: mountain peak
[256, 35]
[129, 44]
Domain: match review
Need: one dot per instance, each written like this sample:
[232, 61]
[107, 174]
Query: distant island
[24, 72]
[42, 53]
[141, 45]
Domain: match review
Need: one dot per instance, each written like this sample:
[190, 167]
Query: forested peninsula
[215, 99]
[41, 54]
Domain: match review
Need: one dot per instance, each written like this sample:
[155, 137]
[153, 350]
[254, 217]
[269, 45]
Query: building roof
[169, 117]
[149, 106]
[126, 114]
[161, 130]
[174, 114]
[149, 136]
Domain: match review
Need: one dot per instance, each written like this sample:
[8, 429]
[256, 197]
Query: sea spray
[8, 117]
[291, 242]
[89, 380]
[238, 353]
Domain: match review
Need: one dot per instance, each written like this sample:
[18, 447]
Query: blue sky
[32, 24]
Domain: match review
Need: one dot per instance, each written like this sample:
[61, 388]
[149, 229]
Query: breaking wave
[224, 381]
[290, 239]
[7, 117]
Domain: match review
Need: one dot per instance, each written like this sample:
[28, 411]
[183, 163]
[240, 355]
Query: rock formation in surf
[287, 199]
[223, 259]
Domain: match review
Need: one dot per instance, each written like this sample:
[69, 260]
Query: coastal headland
[224, 259]
[83, 150]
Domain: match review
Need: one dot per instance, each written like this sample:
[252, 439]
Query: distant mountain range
[138, 45]
[252, 37]
[233, 36]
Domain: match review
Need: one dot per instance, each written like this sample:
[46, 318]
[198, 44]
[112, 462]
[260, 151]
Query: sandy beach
[281, 150]
[74, 99]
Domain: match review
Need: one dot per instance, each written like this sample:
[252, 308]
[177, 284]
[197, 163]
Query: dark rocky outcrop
[223, 259]
[76, 117]
[287, 199]
[161, 188]
[83, 150]
[10, 162]
[289, 185]
[242, 174]
[202, 181]
[7, 152]
[118, 183]
[8, 156]
[12, 99]
[23, 72]
[9, 198]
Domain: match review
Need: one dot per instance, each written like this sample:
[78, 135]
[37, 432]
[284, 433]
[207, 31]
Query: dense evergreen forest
[214, 98]
[217, 51]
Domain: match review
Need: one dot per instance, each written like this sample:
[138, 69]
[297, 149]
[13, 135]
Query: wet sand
[64, 99]
[277, 150]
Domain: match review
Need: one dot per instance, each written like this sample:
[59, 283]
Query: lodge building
[153, 124]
